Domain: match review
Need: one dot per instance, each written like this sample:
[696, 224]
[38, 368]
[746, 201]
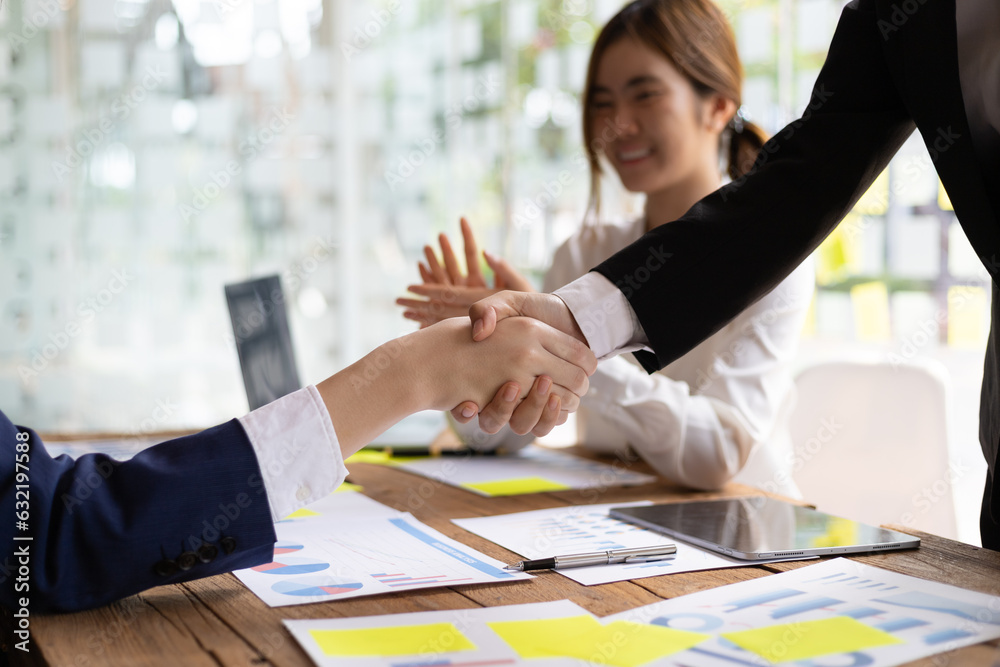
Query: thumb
[485, 313]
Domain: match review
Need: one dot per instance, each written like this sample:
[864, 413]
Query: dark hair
[696, 38]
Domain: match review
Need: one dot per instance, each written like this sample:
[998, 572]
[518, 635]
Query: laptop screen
[263, 339]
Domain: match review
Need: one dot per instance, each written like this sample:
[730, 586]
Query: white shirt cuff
[604, 315]
[297, 450]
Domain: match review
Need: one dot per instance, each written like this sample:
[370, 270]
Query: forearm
[102, 529]
[380, 389]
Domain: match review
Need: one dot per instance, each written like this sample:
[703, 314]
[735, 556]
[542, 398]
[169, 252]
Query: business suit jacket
[102, 529]
[892, 66]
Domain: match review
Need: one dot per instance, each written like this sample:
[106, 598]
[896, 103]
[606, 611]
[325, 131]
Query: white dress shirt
[297, 449]
[718, 413]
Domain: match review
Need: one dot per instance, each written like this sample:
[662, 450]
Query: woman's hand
[447, 292]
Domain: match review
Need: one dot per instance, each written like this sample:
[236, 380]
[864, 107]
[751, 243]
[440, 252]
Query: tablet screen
[759, 527]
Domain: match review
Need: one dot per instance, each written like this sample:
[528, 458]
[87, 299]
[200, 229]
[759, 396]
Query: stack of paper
[834, 613]
[347, 545]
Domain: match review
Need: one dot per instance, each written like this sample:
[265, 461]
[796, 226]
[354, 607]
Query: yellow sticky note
[871, 311]
[540, 638]
[967, 316]
[346, 487]
[636, 644]
[839, 532]
[810, 639]
[516, 486]
[619, 644]
[876, 200]
[370, 456]
[944, 201]
[392, 641]
[302, 514]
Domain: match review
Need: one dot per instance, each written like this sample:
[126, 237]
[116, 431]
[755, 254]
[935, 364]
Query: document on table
[837, 612]
[586, 528]
[544, 634]
[531, 470]
[347, 545]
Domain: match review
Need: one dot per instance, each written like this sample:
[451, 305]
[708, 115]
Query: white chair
[871, 443]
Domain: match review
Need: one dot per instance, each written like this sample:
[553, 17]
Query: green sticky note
[392, 641]
[619, 644]
[516, 486]
[810, 639]
[543, 638]
[302, 514]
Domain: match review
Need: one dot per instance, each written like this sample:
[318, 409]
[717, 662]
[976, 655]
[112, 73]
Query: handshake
[519, 358]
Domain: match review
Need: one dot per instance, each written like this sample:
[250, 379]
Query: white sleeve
[701, 436]
[696, 441]
[604, 315]
[297, 450]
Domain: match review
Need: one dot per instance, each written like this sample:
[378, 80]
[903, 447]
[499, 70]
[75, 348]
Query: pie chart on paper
[316, 586]
[286, 548]
[286, 565]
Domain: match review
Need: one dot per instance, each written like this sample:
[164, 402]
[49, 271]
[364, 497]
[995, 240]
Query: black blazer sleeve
[101, 529]
[686, 279]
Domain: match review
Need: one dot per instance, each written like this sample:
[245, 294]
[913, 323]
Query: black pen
[610, 557]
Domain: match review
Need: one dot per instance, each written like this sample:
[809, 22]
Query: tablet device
[762, 528]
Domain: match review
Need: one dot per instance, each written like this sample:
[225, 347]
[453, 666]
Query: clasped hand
[536, 406]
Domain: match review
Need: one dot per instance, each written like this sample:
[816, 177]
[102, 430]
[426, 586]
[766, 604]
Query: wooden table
[216, 621]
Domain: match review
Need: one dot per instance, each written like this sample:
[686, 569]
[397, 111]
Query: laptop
[267, 359]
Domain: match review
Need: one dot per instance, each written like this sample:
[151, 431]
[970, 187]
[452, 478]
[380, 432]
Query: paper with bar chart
[588, 528]
[347, 545]
[544, 634]
[838, 612]
[531, 470]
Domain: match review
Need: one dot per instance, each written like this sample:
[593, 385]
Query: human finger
[549, 417]
[475, 273]
[452, 295]
[432, 263]
[425, 273]
[547, 308]
[498, 411]
[430, 311]
[506, 275]
[529, 411]
[464, 412]
[566, 347]
[451, 266]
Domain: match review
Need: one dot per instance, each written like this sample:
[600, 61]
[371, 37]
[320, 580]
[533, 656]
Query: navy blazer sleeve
[686, 279]
[102, 529]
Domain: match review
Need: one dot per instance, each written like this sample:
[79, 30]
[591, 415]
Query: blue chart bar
[946, 636]
[918, 600]
[901, 624]
[763, 598]
[801, 607]
[862, 612]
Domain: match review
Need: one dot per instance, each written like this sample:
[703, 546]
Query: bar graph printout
[838, 612]
[348, 545]
[588, 528]
[546, 634]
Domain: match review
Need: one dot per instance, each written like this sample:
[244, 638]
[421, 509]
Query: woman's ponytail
[745, 141]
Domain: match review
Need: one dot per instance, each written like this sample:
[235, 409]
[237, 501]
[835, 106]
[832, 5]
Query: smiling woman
[661, 104]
